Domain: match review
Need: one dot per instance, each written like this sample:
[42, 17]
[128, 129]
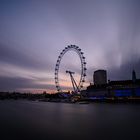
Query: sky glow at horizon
[34, 32]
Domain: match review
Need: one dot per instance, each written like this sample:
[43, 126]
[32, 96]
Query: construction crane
[75, 87]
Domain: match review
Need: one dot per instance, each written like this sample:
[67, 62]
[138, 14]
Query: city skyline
[33, 33]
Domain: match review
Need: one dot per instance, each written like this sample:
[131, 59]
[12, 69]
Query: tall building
[100, 77]
[133, 76]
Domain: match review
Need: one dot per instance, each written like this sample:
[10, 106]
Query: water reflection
[39, 120]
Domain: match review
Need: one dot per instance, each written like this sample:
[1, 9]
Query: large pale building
[100, 77]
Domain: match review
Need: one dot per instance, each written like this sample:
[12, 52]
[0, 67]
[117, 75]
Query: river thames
[33, 120]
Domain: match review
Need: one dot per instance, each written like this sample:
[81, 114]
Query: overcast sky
[34, 32]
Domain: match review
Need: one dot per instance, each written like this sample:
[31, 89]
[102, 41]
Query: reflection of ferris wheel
[76, 87]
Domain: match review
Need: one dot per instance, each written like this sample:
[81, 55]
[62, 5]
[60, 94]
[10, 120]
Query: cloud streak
[10, 55]
[33, 33]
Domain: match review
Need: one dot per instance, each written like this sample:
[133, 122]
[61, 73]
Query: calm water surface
[32, 120]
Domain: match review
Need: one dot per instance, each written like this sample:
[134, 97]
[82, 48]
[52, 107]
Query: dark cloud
[108, 31]
[17, 83]
[22, 58]
[124, 72]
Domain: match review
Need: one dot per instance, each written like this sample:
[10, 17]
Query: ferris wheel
[76, 86]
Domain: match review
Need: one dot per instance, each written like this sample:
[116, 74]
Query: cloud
[124, 72]
[19, 57]
[18, 83]
[108, 31]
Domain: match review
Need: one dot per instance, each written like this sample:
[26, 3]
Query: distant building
[99, 88]
[100, 77]
[123, 88]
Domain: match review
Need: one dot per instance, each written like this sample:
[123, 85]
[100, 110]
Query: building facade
[100, 77]
[125, 88]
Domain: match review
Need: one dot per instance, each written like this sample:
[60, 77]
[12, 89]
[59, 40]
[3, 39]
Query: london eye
[77, 86]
